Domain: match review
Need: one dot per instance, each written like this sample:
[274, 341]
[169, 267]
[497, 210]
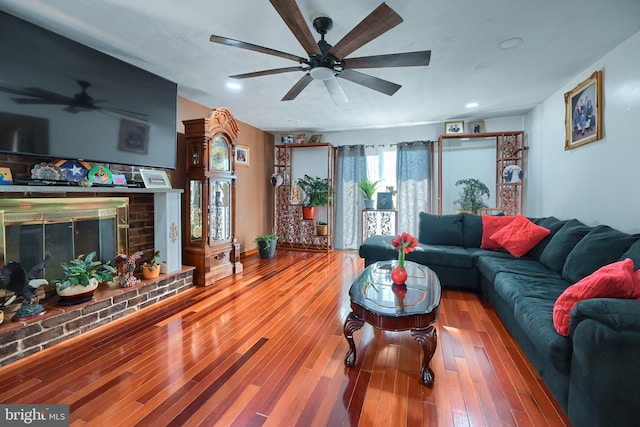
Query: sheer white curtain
[381, 165]
[350, 169]
[414, 184]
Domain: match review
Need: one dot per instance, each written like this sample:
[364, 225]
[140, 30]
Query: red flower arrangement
[404, 244]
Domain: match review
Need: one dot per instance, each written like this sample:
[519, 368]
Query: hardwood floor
[267, 348]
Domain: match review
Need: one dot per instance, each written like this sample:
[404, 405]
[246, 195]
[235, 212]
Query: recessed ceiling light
[472, 105]
[234, 86]
[511, 43]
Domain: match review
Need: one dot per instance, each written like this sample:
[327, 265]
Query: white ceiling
[171, 39]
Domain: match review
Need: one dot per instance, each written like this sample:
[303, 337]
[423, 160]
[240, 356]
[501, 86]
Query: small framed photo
[384, 201]
[583, 115]
[118, 179]
[300, 138]
[314, 139]
[476, 126]
[5, 176]
[155, 178]
[453, 127]
[286, 139]
[134, 137]
[242, 155]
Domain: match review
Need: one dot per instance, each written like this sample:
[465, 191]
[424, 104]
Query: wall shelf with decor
[294, 232]
[509, 169]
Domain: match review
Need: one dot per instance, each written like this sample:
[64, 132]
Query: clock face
[219, 154]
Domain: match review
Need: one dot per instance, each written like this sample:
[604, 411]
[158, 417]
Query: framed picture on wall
[454, 127]
[583, 112]
[155, 178]
[242, 155]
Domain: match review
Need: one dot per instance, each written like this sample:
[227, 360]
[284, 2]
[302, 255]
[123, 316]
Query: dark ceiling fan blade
[384, 86]
[255, 48]
[267, 72]
[378, 22]
[298, 87]
[409, 59]
[291, 15]
[336, 91]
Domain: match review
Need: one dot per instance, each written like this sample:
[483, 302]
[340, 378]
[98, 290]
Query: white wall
[598, 182]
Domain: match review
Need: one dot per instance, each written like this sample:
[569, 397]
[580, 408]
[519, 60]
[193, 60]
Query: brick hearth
[20, 339]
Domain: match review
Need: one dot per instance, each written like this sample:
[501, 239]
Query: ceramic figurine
[24, 284]
[128, 263]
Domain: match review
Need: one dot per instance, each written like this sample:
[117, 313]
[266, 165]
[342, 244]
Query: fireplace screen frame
[57, 211]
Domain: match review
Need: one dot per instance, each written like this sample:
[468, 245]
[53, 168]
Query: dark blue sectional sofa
[594, 373]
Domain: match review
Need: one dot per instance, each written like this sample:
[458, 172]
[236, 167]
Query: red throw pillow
[491, 224]
[611, 281]
[520, 236]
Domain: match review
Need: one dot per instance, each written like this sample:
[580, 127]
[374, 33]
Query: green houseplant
[82, 276]
[151, 268]
[368, 189]
[472, 195]
[267, 245]
[322, 228]
[317, 192]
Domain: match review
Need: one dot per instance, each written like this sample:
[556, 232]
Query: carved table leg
[428, 340]
[351, 324]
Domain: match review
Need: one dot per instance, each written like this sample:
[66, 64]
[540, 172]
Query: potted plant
[472, 195]
[81, 278]
[267, 245]
[322, 228]
[367, 189]
[151, 268]
[316, 193]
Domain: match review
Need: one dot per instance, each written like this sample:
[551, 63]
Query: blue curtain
[414, 184]
[351, 168]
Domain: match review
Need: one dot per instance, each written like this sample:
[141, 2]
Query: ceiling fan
[81, 101]
[326, 62]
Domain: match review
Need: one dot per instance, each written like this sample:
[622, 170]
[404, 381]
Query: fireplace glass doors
[63, 227]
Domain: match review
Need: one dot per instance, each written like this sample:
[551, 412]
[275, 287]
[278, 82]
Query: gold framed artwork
[314, 139]
[453, 127]
[242, 155]
[476, 126]
[583, 112]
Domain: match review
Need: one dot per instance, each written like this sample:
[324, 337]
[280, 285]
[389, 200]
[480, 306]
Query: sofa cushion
[634, 253]
[611, 281]
[378, 248]
[520, 236]
[490, 265]
[555, 254]
[471, 230]
[511, 286]
[601, 246]
[553, 224]
[440, 229]
[491, 224]
[535, 316]
[451, 256]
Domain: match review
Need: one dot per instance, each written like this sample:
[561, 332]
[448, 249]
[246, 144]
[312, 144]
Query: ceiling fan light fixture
[321, 73]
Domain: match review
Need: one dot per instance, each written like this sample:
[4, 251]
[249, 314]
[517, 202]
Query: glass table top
[374, 290]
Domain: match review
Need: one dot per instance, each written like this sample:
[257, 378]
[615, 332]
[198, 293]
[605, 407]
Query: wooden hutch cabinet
[210, 245]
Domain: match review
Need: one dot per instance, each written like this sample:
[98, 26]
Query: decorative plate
[47, 171]
[73, 170]
[99, 175]
[512, 174]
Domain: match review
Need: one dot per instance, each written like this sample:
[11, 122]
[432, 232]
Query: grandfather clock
[210, 245]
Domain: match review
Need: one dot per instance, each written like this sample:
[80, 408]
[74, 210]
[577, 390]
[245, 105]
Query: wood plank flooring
[267, 348]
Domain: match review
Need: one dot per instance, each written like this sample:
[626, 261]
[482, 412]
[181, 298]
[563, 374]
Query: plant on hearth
[151, 263]
[85, 271]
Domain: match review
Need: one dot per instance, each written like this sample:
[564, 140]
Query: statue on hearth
[128, 265]
[24, 284]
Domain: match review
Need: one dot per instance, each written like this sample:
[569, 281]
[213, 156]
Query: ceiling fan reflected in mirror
[327, 62]
[81, 101]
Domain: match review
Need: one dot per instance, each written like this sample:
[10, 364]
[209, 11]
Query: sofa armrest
[617, 314]
[603, 386]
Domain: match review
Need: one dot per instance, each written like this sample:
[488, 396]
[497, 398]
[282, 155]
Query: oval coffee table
[375, 299]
